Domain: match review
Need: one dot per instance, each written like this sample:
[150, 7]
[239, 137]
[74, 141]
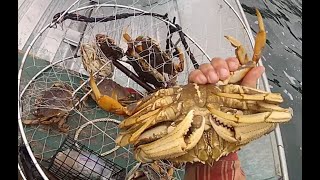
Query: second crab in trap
[53, 107]
[151, 64]
[125, 96]
[199, 123]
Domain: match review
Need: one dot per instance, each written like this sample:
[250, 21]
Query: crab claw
[242, 134]
[174, 144]
[241, 129]
[242, 55]
[107, 103]
[240, 51]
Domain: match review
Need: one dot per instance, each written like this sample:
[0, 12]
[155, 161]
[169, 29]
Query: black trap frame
[76, 161]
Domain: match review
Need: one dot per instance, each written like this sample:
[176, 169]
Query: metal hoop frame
[24, 138]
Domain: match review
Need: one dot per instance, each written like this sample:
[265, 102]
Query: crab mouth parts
[221, 124]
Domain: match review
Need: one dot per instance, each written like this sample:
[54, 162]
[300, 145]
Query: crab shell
[109, 47]
[53, 107]
[110, 88]
[151, 63]
[150, 50]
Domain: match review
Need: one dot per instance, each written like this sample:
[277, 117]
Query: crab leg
[270, 97]
[153, 107]
[107, 103]
[237, 89]
[241, 54]
[166, 114]
[62, 126]
[260, 39]
[146, 121]
[274, 116]
[180, 66]
[240, 97]
[32, 122]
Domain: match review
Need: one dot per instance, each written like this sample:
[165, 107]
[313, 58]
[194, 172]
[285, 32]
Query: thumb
[251, 78]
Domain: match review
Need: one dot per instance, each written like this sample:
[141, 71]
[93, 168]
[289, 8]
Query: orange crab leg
[107, 103]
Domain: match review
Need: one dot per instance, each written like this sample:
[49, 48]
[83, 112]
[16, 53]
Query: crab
[53, 107]
[122, 94]
[93, 61]
[198, 123]
[109, 47]
[151, 63]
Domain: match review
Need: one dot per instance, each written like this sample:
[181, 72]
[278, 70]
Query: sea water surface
[283, 62]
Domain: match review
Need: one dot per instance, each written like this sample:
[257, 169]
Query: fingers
[218, 69]
[210, 73]
[252, 77]
[198, 77]
[221, 67]
[233, 63]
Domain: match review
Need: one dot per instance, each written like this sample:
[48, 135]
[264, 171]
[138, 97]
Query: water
[283, 62]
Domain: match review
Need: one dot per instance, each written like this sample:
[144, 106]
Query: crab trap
[75, 161]
[59, 119]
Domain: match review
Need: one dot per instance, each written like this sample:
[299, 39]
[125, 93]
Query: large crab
[151, 63]
[199, 123]
[53, 107]
[93, 61]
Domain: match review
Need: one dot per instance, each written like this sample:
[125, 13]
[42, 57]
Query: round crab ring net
[87, 123]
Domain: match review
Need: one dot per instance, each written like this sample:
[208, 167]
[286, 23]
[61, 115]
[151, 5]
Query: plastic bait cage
[73, 160]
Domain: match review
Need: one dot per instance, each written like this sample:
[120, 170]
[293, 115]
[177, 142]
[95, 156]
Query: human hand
[219, 69]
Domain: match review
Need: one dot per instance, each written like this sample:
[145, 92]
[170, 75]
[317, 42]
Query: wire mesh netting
[55, 98]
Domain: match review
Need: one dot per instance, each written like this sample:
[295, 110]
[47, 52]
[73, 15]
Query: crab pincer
[246, 63]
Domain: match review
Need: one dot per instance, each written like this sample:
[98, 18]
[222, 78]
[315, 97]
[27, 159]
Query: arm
[228, 167]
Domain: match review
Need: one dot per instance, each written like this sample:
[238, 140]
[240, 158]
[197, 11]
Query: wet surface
[283, 62]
